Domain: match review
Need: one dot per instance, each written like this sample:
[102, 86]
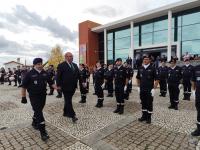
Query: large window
[160, 37]
[191, 46]
[110, 46]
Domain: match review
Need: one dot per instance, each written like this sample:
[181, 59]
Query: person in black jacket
[67, 79]
[83, 82]
[187, 70]
[51, 73]
[99, 85]
[109, 75]
[2, 75]
[147, 81]
[121, 82]
[163, 72]
[174, 78]
[35, 82]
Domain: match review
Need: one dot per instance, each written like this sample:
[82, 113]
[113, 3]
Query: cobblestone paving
[97, 129]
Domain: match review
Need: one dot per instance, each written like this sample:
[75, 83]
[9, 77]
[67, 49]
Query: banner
[82, 54]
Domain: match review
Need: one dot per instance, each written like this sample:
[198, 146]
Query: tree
[56, 56]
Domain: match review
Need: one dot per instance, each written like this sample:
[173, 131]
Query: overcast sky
[30, 28]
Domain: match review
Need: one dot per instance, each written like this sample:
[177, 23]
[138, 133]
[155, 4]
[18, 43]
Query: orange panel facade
[88, 43]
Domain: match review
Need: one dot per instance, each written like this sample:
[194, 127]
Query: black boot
[121, 109]
[98, 104]
[117, 109]
[144, 116]
[83, 99]
[148, 120]
[34, 124]
[51, 92]
[43, 132]
[101, 103]
[197, 131]
[185, 96]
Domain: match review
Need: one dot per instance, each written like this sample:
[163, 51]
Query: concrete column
[131, 52]
[105, 46]
[169, 46]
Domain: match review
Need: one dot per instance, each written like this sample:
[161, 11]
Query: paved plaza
[96, 129]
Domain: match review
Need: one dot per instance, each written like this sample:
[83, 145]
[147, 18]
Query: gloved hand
[180, 86]
[193, 94]
[84, 85]
[138, 89]
[24, 100]
[129, 81]
[103, 86]
[152, 92]
[125, 88]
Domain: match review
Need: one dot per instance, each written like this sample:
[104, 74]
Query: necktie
[72, 67]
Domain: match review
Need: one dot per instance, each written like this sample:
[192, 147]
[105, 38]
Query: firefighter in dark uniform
[15, 76]
[19, 76]
[196, 95]
[51, 73]
[99, 85]
[187, 70]
[147, 81]
[83, 82]
[121, 82]
[9, 74]
[130, 73]
[163, 72]
[2, 75]
[174, 78]
[88, 78]
[94, 78]
[35, 82]
[109, 74]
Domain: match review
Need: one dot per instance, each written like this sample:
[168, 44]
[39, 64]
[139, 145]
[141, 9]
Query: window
[147, 39]
[123, 43]
[147, 28]
[136, 41]
[160, 37]
[110, 36]
[161, 25]
[191, 18]
[136, 30]
[122, 53]
[191, 46]
[122, 33]
[191, 32]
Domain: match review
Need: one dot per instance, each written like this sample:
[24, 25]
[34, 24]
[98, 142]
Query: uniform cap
[37, 60]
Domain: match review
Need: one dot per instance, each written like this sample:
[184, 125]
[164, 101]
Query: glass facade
[185, 29]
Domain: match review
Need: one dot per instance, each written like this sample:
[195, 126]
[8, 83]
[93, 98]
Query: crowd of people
[115, 77]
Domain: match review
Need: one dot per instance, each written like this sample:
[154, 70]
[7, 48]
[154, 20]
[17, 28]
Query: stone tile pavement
[96, 129]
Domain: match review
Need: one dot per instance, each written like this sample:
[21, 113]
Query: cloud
[103, 10]
[21, 14]
[13, 48]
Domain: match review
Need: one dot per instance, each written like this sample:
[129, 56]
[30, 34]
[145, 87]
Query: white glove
[84, 85]
[180, 86]
[129, 81]
[152, 92]
[138, 89]
[193, 94]
[125, 88]
[103, 86]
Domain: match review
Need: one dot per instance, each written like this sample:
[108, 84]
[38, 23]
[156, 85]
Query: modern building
[171, 30]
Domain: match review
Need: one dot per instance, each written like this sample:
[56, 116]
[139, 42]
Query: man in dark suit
[67, 78]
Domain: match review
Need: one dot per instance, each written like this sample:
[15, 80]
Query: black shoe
[117, 109]
[50, 94]
[141, 119]
[65, 115]
[74, 119]
[110, 95]
[94, 93]
[176, 108]
[171, 107]
[44, 136]
[148, 121]
[121, 110]
[59, 96]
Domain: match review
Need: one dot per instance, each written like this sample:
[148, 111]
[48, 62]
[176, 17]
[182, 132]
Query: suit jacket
[67, 78]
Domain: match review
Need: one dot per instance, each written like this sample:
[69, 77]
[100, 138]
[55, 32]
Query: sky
[30, 28]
